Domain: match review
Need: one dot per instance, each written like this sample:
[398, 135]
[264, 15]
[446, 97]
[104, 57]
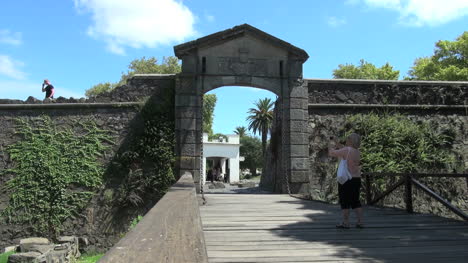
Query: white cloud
[138, 23]
[11, 38]
[335, 21]
[21, 90]
[424, 12]
[10, 67]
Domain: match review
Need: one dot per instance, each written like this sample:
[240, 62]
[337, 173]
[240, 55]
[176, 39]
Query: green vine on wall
[55, 172]
[392, 143]
[145, 167]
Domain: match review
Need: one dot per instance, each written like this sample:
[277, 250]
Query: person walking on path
[349, 191]
[48, 89]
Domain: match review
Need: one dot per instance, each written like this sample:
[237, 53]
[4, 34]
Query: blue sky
[79, 43]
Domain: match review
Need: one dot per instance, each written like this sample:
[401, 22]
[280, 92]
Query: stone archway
[242, 56]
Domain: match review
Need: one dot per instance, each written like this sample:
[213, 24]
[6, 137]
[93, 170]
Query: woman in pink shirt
[349, 192]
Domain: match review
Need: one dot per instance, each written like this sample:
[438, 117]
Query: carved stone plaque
[238, 66]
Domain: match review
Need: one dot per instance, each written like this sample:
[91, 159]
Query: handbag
[343, 174]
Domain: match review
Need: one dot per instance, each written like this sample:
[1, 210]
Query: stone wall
[331, 102]
[118, 112]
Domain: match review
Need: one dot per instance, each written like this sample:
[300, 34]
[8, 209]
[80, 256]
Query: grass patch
[87, 258]
[4, 256]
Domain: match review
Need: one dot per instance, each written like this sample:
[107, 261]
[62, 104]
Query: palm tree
[260, 119]
[241, 131]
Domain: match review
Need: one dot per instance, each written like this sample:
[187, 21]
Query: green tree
[216, 136]
[251, 150]
[170, 65]
[365, 70]
[241, 131]
[449, 62]
[209, 103]
[99, 88]
[260, 119]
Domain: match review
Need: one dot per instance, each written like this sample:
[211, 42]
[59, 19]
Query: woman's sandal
[342, 226]
[360, 226]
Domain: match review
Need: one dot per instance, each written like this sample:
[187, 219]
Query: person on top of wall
[48, 89]
[349, 191]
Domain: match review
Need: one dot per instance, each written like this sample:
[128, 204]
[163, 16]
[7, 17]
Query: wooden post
[408, 194]
[368, 189]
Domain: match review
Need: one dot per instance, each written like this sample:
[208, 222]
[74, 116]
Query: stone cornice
[237, 31]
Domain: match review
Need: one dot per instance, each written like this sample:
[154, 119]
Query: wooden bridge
[280, 228]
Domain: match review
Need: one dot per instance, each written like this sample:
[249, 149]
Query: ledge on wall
[396, 82]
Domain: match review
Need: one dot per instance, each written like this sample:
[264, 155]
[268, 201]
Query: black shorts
[349, 192]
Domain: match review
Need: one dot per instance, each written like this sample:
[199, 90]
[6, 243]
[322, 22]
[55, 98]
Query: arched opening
[231, 152]
[243, 56]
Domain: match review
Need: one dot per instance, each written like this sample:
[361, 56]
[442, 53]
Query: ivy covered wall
[93, 167]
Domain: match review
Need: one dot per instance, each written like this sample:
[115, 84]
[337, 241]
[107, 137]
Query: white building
[224, 154]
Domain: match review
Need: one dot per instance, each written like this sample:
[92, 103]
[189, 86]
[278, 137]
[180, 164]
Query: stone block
[298, 103]
[190, 150]
[188, 112]
[188, 162]
[188, 136]
[298, 114]
[26, 243]
[299, 188]
[299, 150]
[298, 92]
[300, 164]
[188, 100]
[28, 257]
[298, 126]
[9, 249]
[187, 124]
[57, 256]
[299, 176]
[43, 249]
[298, 138]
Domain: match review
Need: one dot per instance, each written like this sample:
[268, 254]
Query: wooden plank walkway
[279, 228]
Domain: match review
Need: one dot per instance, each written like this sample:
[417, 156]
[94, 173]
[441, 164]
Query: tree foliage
[241, 131]
[365, 70]
[260, 119]
[170, 65]
[449, 62]
[209, 103]
[251, 149]
[100, 88]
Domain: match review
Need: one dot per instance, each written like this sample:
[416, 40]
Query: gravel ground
[234, 189]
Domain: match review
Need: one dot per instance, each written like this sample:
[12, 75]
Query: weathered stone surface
[57, 256]
[9, 249]
[43, 249]
[300, 163]
[28, 257]
[27, 243]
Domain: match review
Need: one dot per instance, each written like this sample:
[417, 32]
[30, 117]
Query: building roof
[236, 32]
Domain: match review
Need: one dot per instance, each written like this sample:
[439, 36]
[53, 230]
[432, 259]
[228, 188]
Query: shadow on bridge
[390, 235]
[279, 228]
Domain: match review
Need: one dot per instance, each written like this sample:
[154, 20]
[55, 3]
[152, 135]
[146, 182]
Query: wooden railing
[409, 180]
[170, 232]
